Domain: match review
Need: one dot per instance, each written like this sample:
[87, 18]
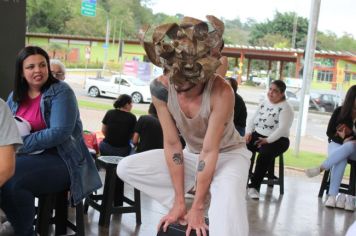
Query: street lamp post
[119, 47]
[307, 72]
[106, 46]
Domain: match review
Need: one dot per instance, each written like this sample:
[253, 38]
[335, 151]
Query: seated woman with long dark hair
[118, 128]
[63, 162]
[342, 146]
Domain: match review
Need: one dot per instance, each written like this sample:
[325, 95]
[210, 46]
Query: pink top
[30, 110]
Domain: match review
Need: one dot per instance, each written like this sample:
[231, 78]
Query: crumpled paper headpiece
[184, 49]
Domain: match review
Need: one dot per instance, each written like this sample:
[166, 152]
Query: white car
[119, 84]
[260, 81]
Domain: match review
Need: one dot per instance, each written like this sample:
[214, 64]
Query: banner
[130, 68]
[142, 70]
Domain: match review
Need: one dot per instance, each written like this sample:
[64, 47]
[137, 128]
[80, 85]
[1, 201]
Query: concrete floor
[298, 212]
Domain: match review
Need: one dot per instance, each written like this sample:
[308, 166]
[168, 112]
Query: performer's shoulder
[220, 83]
[159, 89]
[221, 88]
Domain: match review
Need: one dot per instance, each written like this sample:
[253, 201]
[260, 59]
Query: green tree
[326, 41]
[47, 16]
[274, 40]
[346, 43]
[281, 24]
[235, 32]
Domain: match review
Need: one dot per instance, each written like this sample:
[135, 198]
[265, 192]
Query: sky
[338, 16]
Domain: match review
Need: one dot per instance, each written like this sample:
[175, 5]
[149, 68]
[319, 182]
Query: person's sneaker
[330, 202]
[6, 229]
[340, 202]
[312, 172]
[253, 193]
[189, 196]
[349, 203]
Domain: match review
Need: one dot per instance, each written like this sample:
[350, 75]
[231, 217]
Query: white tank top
[194, 129]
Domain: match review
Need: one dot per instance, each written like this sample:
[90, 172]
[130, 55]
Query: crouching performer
[199, 104]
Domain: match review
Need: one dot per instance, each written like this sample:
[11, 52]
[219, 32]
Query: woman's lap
[39, 174]
[107, 150]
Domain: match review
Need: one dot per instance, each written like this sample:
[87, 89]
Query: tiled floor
[298, 212]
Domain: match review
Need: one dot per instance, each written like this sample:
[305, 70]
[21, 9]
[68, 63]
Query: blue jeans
[338, 154]
[34, 175]
[108, 150]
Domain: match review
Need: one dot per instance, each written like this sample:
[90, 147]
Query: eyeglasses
[58, 75]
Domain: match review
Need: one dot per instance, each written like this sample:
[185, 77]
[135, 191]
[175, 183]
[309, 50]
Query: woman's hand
[349, 139]
[343, 131]
[260, 142]
[248, 137]
[176, 214]
[195, 220]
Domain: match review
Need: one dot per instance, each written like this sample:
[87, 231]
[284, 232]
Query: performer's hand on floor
[175, 215]
[195, 220]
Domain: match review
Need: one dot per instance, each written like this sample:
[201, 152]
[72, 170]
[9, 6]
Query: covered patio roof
[283, 55]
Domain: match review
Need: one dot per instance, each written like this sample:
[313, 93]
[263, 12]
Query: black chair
[344, 188]
[270, 179]
[57, 202]
[112, 199]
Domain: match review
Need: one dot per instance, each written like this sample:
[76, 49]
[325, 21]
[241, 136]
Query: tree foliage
[127, 16]
[274, 40]
[236, 32]
[48, 16]
[282, 24]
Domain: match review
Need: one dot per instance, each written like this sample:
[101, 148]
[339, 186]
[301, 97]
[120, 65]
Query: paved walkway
[299, 212]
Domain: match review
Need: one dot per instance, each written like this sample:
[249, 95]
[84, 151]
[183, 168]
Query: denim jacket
[64, 132]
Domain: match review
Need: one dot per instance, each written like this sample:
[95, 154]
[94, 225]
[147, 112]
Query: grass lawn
[306, 160]
[105, 107]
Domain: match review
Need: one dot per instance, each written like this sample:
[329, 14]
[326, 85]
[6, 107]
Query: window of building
[347, 76]
[325, 76]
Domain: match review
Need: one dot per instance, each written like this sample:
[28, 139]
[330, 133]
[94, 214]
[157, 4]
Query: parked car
[293, 99]
[260, 81]
[119, 84]
[324, 102]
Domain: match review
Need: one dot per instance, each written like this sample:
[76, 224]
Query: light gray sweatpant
[148, 172]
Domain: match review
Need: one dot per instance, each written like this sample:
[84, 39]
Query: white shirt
[272, 120]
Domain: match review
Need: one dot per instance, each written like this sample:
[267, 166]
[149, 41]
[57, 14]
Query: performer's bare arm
[222, 105]
[173, 153]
